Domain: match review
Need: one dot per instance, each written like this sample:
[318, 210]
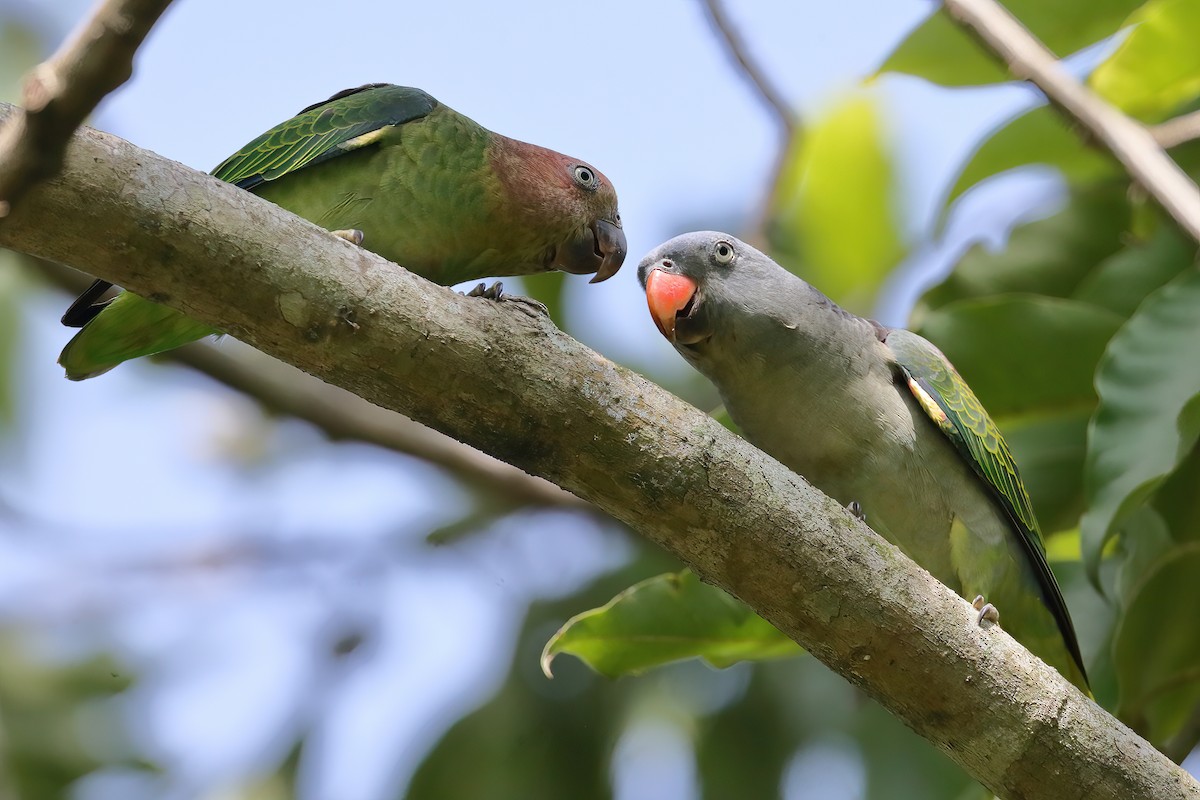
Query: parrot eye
[723, 252]
[586, 177]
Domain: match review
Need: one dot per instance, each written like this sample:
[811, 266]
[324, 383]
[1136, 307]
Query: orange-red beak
[667, 294]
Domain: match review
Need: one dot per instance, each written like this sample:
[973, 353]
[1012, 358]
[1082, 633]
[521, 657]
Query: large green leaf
[1156, 650]
[1041, 396]
[1051, 256]
[663, 619]
[940, 51]
[1039, 136]
[835, 220]
[1024, 353]
[1121, 282]
[1049, 451]
[1157, 67]
[1145, 424]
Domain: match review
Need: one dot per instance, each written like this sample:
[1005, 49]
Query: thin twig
[61, 91]
[1175, 132]
[1133, 145]
[737, 48]
[756, 232]
[283, 389]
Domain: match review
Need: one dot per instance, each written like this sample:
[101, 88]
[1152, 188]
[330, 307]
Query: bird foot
[353, 235]
[856, 509]
[493, 292]
[496, 292]
[986, 611]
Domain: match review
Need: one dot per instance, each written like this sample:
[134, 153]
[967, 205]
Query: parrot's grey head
[704, 283]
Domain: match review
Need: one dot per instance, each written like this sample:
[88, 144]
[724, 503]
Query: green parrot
[391, 168]
[874, 417]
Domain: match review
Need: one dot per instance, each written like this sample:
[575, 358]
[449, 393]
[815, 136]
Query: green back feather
[339, 125]
[131, 326]
[949, 402]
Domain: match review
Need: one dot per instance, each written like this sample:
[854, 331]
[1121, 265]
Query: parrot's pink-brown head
[570, 203]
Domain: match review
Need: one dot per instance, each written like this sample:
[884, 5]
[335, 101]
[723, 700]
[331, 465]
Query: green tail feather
[129, 327]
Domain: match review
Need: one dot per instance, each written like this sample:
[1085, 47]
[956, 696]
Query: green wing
[345, 122]
[949, 402]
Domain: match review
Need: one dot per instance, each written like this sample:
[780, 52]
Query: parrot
[875, 417]
[390, 168]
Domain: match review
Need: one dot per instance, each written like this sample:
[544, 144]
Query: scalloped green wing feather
[949, 402]
[345, 122]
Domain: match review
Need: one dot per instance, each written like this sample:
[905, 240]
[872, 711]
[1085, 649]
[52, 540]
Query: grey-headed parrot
[875, 417]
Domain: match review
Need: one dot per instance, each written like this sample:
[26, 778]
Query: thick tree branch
[60, 92]
[503, 379]
[1132, 143]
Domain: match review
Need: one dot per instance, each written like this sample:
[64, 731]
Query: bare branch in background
[60, 92]
[766, 89]
[758, 78]
[502, 378]
[1175, 132]
[283, 389]
[1132, 143]
[286, 390]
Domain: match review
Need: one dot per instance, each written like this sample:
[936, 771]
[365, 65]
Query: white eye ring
[585, 176]
[723, 252]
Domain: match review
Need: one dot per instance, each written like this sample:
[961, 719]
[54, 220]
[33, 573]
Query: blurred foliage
[834, 218]
[10, 335]
[1157, 67]
[18, 49]
[941, 52]
[663, 619]
[1040, 136]
[45, 746]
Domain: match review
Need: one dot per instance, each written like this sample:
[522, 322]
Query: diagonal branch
[1132, 143]
[61, 91]
[501, 378]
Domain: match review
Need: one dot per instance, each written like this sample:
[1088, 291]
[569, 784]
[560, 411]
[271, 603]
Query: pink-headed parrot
[875, 417]
[407, 177]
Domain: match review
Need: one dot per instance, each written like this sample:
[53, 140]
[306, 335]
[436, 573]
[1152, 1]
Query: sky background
[149, 462]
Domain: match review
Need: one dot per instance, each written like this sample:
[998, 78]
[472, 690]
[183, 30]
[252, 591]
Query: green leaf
[663, 619]
[1147, 380]
[940, 51]
[1121, 282]
[834, 221]
[1039, 136]
[1000, 345]
[1157, 67]
[1041, 397]
[1051, 256]
[1156, 651]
